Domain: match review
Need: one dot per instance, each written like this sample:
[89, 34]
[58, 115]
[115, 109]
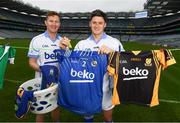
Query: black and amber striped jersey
[137, 74]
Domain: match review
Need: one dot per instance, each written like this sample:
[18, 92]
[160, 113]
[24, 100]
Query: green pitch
[169, 90]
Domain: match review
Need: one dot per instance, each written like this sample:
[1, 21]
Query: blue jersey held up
[81, 80]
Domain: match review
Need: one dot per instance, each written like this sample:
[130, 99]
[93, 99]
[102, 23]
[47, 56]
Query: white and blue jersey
[81, 80]
[42, 47]
[92, 45]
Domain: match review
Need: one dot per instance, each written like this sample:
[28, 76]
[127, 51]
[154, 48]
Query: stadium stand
[161, 7]
[18, 20]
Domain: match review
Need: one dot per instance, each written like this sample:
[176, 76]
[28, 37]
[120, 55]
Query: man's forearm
[33, 64]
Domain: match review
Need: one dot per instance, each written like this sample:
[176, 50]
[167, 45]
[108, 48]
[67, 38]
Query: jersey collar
[47, 35]
[102, 37]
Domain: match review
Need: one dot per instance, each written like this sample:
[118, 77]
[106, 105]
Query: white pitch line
[169, 101]
[174, 49]
[13, 81]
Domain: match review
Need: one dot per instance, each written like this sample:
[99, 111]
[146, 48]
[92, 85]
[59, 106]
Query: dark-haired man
[104, 44]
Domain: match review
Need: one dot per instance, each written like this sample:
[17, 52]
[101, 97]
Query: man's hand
[104, 50]
[64, 43]
[33, 64]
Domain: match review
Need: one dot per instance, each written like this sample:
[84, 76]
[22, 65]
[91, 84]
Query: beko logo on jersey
[85, 75]
[82, 74]
[135, 73]
[50, 56]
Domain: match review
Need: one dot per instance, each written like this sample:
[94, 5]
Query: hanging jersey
[137, 75]
[7, 53]
[81, 79]
[49, 75]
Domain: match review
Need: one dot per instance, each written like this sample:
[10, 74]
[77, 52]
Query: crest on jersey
[94, 63]
[148, 62]
[51, 72]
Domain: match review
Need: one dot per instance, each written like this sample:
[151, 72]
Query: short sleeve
[12, 53]
[119, 47]
[33, 49]
[168, 59]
